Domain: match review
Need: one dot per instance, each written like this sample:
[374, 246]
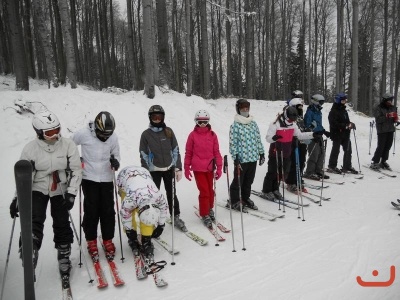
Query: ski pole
[58, 180]
[394, 142]
[355, 142]
[8, 259]
[226, 171]
[173, 214]
[119, 221]
[323, 170]
[283, 183]
[277, 170]
[370, 137]
[215, 199]
[299, 189]
[80, 224]
[240, 201]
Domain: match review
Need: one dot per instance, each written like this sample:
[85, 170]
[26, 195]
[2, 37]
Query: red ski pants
[204, 181]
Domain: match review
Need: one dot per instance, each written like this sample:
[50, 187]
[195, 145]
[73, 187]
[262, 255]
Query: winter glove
[351, 126]
[188, 174]
[262, 159]
[68, 201]
[318, 134]
[327, 134]
[391, 115]
[114, 163]
[158, 231]
[178, 175]
[14, 208]
[218, 174]
[276, 137]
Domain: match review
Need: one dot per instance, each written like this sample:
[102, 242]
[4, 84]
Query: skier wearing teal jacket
[246, 149]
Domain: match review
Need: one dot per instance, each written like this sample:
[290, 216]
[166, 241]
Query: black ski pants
[61, 225]
[385, 142]
[98, 206]
[167, 177]
[271, 182]
[346, 145]
[292, 175]
[247, 174]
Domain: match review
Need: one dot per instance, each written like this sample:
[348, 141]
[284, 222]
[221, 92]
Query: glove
[327, 133]
[218, 174]
[68, 201]
[14, 208]
[391, 115]
[317, 134]
[178, 175]
[313, 125]
[158, 231]
[262, 159]
[351, 126]
[276, 137]
[188, 174]
[114, 163]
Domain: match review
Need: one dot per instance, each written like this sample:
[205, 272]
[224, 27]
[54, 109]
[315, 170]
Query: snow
[352, 235]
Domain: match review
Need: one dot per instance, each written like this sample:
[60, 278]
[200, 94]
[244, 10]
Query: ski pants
[315, 158]
[385, 142]
[271, 182]
[167, 177]
[204, 182]
[247, 174]
[292, 175]
[61, 226]
[346, 145]
[98, 206]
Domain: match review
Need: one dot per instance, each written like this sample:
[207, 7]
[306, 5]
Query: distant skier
[50, 153]
[100, 154]
[203, 157]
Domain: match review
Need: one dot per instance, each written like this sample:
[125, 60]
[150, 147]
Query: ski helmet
[387, 97]
[297, 94]
[317, 100]
[290, 113]
[104, 124]
[241, 103]
[202, 116]
[296, 101]
[149, 215]
[339, 97]
[46, 124]
[156, 109]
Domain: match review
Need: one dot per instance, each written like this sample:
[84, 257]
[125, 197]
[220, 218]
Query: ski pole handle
[225, 163]
[56, 176]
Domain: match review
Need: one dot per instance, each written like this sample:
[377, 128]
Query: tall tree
[131, 48]
[148, 48]
[163, 45]
[249, 49]
[204, 46]
[228, 50]
[354, 56]
[189, 72]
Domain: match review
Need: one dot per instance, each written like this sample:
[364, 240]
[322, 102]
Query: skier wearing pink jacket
[203, 158]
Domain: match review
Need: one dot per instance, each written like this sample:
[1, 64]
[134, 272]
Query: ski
[158, 279]
[116, 278]
[318, 196]
[398, 200]
[304, 195]
[286, 202]
[212, 230]
[330, 180]
[23, 182]
[66, 287]
[139, 266]
[217, 223]
[166, 246]
[199, 240]
[100, 277]
[396, 205]
[315, 187]
[254, 213]
[384, 172]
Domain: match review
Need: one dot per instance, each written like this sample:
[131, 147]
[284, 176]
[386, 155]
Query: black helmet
[387, 97]
[156, 109]
[241, 103]
[104, 124]
[290, 113]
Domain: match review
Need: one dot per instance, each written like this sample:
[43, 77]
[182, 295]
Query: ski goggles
[104, 135]
[244, 105]
[202, 122]
[157, 117]
[51, 133]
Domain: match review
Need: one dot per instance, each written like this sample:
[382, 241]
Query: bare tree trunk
[339, 34]
[163, 46]
[394, 42]
[131, 52]
[249, 50]
[371, 62]
[18, 49]
[61, 64]
[228, 50]
[74, 33]
[273, 74]
[148, 48]
[385, 50]
[204, 43]
[303, 54]
[103, 82]
[308, 91]
[114, 72]
[5, 59]
[189, 75]
[354, 57]
[28, 39]
[267, 49]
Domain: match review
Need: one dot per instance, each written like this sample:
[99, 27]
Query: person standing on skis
[100, 159]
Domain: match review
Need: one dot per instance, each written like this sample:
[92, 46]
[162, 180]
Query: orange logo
[378, 283]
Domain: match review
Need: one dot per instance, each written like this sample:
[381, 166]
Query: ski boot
[207, 221]
[133, 241]
[93, 250]
[35, 251]
[212, 215]
[250, 204]
[178, 223]
[110, 249]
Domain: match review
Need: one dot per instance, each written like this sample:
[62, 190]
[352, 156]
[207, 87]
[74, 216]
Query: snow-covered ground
[352, 235]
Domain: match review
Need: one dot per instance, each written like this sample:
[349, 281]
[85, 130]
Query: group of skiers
[59, 170]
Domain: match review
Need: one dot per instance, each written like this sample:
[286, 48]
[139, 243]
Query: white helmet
[297, 94]
[295, 102]
[317, 99]
[46, 124]
[202, 115]
[149, 215]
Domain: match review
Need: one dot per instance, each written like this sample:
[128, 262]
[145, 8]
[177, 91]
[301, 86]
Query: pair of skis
[261, 214]
[386, 173]
[287, 203]
[145, 267]
[194, 237]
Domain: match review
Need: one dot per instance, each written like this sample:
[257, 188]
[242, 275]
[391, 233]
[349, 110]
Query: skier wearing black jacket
[340, 127]
[385, 117]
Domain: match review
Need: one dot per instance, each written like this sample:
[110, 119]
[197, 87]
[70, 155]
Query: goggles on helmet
[202, 122]
[157, 117]
[51, 133]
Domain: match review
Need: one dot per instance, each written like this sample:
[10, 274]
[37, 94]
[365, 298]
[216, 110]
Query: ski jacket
[245, 139]
[313, 113]
[159, 149]
[286, 147]
[96, 154]
[338, 121]
[62, 156]
[201, 148]
[384, 124]
[137, 189]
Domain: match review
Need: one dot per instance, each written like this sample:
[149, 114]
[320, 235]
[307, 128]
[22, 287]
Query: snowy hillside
[353, 234]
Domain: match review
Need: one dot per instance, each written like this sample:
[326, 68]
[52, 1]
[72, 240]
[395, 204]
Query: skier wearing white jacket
[52, 157]
[100, 158]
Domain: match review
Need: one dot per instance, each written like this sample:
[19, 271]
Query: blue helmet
[339, 97]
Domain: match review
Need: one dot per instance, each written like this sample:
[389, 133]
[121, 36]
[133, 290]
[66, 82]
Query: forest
[255, 49]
